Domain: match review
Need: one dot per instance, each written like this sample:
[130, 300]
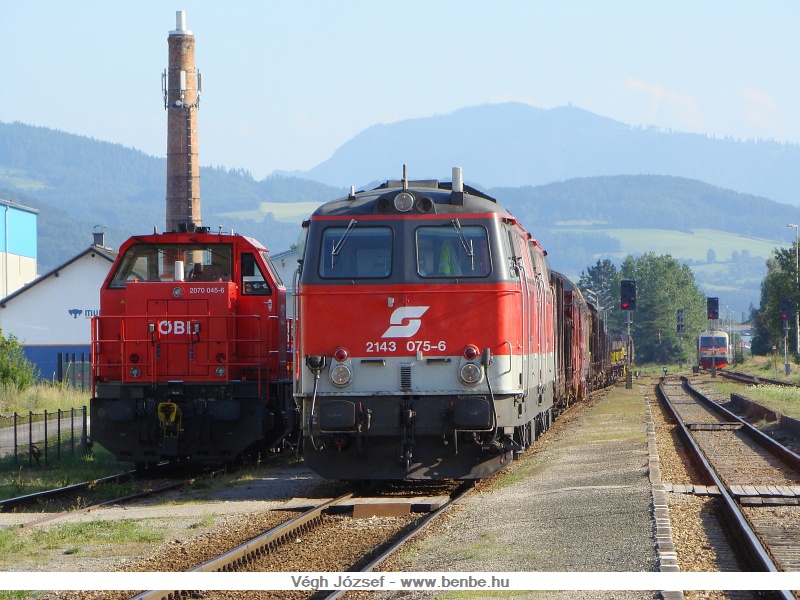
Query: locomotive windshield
[356, 252]
[716, 341]
[452, 251]
[151, 262]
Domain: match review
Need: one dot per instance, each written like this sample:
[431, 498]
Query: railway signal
[681, 326]
[786, 311]
[628, 294]
[712, 308]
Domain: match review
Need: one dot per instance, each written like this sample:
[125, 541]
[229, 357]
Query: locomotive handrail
[114, 352]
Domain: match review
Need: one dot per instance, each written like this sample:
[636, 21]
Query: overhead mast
[181, 85]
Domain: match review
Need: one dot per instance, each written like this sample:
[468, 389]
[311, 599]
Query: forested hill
[77, 183]
[648, 202]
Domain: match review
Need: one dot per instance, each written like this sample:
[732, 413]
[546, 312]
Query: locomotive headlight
[403, 201]
[135, 372]
[220, 371]
[340, 375]
[471, 352]
[471, 373]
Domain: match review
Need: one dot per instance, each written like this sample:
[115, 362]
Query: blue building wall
[46, 358]
[18, 230]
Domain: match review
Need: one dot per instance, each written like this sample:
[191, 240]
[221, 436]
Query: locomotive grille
[405, 377]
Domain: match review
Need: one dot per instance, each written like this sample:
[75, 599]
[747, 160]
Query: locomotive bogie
[455, 437]
[205, 425]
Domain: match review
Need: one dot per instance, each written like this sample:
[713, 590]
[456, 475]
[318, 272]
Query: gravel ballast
[580, 500]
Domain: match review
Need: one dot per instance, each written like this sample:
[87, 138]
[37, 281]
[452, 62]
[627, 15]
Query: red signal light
[340, 354]
[471, 352]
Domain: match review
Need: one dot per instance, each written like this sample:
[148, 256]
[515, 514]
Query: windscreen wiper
[467, 244]
[337, 247]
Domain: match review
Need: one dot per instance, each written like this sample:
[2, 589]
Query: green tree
[15, 368]
[663, 286]
[778, 284]
[602, 281]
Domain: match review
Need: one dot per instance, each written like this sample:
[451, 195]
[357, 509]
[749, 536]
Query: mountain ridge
[515, 144]
[77, 182]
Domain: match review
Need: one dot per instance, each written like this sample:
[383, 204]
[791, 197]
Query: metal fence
[43, 438]
[75, 369]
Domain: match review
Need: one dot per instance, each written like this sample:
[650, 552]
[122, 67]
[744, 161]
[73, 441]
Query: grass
[692, 245]
[22, 479]
[73, 538]
[285, 212]
[784, 400]
[41, 397]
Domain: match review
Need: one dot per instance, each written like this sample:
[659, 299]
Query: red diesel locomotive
[431, 342]
[190, 352]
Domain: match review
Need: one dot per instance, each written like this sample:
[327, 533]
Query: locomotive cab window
[173, 262]
[253, 281]
[452, 250]
[356, 252]
[716, 341]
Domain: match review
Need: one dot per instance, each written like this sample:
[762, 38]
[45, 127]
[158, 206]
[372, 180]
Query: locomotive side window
[453, 250]
[356, 252]
[253, 281]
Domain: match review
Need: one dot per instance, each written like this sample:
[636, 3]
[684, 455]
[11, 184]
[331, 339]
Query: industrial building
[51, 316]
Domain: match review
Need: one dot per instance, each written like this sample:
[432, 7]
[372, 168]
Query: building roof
[17, 206]
[107, 253]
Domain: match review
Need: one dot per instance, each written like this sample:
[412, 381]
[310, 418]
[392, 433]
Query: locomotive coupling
[169, 417]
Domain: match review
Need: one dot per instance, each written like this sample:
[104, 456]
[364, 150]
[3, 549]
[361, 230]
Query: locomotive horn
[316, 362]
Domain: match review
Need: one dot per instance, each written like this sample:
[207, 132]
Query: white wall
[40, 315]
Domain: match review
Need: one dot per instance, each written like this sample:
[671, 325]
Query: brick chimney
[181, 85]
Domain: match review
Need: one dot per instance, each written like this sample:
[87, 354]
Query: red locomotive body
[190, 350]
[425, 335]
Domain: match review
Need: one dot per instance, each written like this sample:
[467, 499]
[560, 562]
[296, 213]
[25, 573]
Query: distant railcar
[713, 348]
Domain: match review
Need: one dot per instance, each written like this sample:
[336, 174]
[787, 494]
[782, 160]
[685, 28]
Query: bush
[15, 368]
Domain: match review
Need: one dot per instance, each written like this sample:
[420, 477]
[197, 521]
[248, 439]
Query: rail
[748, 537]
[253, 548]
[457, 495]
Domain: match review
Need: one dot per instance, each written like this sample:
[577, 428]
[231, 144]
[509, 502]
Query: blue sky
[287, 82]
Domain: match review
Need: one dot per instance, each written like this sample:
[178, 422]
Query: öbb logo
[411, 314]
[176, 327]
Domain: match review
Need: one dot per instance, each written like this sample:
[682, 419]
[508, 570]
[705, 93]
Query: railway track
[255, 554]
[70, 495]
[750, 379]
[758, 479]
[28, 500]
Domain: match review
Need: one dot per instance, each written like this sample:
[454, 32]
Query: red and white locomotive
[190, 351]
[428, 335]
[713, 349]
